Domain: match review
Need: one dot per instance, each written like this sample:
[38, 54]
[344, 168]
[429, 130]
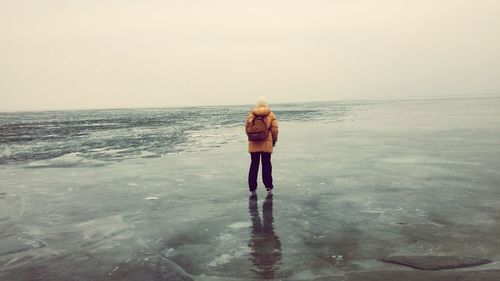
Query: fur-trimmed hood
[261, 111]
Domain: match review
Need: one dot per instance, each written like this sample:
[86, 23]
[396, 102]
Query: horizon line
[389, 98]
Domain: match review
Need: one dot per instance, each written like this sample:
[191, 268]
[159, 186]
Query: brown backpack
[257, 129]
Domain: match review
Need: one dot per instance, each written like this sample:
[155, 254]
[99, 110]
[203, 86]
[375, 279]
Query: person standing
[262, 131]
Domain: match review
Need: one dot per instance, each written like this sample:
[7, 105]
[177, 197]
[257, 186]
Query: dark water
[117, 134]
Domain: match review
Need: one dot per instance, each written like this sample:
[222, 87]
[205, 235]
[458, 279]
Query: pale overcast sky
[66, 54]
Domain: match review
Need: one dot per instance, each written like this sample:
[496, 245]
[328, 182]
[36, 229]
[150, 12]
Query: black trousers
[267, 170]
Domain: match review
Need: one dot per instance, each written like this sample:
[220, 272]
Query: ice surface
[394, 178]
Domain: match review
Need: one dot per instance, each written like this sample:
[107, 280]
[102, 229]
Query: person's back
[262, 148]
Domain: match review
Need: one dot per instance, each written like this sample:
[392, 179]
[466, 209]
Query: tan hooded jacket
[271, 122]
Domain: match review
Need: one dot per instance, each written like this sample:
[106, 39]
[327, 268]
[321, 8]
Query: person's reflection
[265, 245]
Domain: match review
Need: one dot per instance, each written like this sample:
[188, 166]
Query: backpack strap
[270, 121]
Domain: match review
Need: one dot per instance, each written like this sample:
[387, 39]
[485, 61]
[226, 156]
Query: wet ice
[385, 179]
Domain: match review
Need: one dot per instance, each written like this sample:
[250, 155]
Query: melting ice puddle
[240, 224]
